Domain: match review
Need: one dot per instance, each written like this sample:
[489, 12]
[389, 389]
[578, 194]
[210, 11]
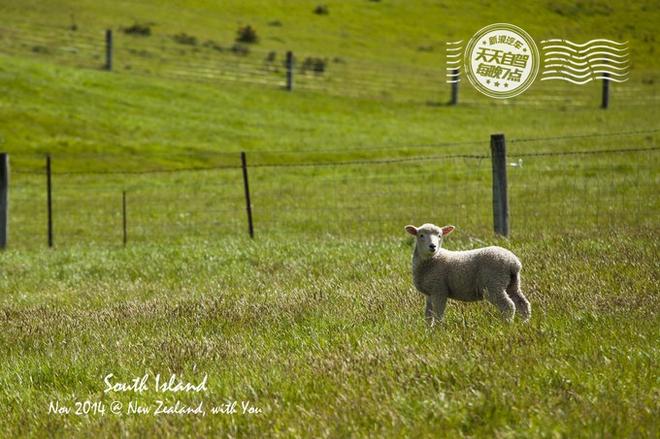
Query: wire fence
[572, 185]
[166, 56]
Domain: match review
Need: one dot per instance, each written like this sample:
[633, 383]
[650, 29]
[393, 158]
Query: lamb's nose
[432, 246]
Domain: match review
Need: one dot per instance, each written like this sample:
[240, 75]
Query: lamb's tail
[515, 293]
[514, 281]
[514, 276]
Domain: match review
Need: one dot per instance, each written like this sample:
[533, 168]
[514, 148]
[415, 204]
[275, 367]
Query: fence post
[108, 49]
[454, 87]
[49, 192]
[248, 204]
[606, 91]
[4, 199]
[500, 196]
[123, 216]
[289, 70]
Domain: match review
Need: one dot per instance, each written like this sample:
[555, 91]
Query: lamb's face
[429, 238]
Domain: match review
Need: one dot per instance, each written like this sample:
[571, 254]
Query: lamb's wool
[492, 273]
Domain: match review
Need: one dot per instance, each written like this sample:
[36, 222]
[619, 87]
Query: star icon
[487, 81]
[506, 84]
[524, 49]
[483, 42]
[497, 84]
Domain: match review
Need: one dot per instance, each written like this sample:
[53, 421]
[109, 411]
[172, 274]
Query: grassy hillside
[48, 108]
[381, 30]
[316, 321]
[391, 55]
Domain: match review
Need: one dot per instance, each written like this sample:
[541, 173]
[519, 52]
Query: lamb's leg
[523, 308]
[439, 302]
[501, 300]
[428, 313]
[522, 304]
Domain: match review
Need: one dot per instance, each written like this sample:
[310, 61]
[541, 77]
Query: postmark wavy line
[585, 69]
[561, 78]
[454, 54]
[454, 60]
[588, 46]
[586, 75]
[584, 51]
[569, 42]
[556, 52]
[585, 63]
[612, 73]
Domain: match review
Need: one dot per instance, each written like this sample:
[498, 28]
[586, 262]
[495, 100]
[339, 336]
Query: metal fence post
[606, 91]
[246, 185]
[108, 49]
[289, 70]
[49, 194]
[123, 217]
[4, 199]
[454, 87]
[500, 196]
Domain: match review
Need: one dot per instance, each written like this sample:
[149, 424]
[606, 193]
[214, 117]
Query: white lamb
[490, 272]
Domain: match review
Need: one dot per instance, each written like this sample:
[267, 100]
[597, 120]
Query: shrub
[40, 49]
[270, 58]
[140, 52]
[589, 8]
[139, 29]
[213, 45]
[316, 65]
[73, 27]
[321, 10]
[247, 34]
[240, 49]
[270, 61]
[184, 38]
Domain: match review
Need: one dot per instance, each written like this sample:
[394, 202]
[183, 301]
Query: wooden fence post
[123, 217]
[49, 193]
[606, 91]
[500, 196]
[246, 185]
[108, 49]
[454, 87]
[289, 70]
[4, 199]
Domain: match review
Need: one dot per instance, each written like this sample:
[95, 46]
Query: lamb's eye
[421, 236]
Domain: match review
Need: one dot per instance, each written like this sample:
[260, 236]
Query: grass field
[316, 322]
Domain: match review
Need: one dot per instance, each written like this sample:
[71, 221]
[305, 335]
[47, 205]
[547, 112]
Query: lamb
[490, 272]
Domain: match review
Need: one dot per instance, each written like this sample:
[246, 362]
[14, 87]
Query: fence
[576, 184]
[165, 56]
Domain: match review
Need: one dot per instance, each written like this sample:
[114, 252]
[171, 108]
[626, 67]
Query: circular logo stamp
[501, 60]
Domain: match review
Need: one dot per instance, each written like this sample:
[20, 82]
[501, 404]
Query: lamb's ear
[446, 230]
[411, 229]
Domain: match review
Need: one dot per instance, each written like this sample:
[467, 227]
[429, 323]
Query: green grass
[328, 338]
[316, 320]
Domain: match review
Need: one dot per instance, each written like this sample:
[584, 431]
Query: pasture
[315, 322]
